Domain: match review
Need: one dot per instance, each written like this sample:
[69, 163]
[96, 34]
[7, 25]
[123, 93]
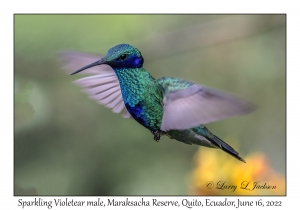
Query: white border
[254, 6]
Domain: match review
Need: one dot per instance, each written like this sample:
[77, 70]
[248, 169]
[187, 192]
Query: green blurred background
[67, 144]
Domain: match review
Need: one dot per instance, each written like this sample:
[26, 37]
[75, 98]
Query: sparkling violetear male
[167, 106]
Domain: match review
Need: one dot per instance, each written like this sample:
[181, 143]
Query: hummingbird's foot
[157, 134]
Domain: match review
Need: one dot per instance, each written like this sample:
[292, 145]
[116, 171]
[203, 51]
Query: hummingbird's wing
[103, 86]
[187, 105]
[74, 60]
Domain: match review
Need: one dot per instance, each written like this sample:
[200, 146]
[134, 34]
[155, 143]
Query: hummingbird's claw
[157, 134]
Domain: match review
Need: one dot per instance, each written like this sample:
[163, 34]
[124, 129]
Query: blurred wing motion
[187, 105]
[103, 87]
[75, 60]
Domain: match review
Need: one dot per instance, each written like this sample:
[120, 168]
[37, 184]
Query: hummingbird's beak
[99, 62]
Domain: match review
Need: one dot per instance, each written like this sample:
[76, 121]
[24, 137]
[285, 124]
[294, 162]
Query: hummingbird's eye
[122, 57]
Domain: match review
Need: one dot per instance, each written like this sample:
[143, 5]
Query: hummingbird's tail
[202, 136]
[225, 147]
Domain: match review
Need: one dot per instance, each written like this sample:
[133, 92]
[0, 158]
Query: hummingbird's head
[119, 56]
[124, 55]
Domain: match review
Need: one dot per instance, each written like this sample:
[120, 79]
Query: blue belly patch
[138, 113]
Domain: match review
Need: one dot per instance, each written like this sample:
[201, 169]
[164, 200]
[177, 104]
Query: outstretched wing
[188, 105]
[103, 86]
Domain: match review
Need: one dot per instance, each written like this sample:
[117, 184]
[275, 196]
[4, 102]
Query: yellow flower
[217, 173]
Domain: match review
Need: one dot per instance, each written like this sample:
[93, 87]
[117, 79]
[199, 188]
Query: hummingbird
[168, 106]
